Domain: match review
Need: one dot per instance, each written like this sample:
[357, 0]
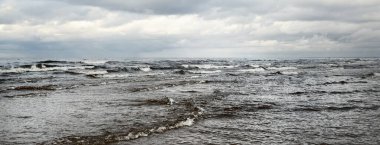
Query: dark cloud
[243, 28]
[146, 6]
[312, 10]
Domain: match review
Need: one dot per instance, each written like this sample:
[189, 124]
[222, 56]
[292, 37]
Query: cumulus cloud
[183, 28]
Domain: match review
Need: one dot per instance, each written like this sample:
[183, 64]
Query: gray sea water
[198, 101]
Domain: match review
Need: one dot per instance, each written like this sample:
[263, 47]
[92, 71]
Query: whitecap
[115, 75]
[205, 72]
[161, 129]
[254, 66]
[170, 101]
[145, 69]
[281, 68]
[94, 62]
[150, 74]
[89, 72]
[289, 73]
[141, 134]
[253, 70]
[187, 122]
[208, 66]
[201, 110]
[36, 69]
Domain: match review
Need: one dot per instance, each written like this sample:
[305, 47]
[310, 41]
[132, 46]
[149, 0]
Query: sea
[315, 101]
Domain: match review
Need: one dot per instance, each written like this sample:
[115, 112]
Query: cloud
[181, 28]
[145, 6]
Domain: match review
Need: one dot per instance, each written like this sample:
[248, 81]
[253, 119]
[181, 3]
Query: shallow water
[206, 101]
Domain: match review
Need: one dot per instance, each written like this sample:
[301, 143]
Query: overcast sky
[189, 28]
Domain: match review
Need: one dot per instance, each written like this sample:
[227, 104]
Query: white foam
[254, 65]
[142, 134]
[253, 70]
[35, 69]
[208, 66]
[145, 69]
[376, 74]
[171, 101]
[267, 64]
[94, 62]
[188, 122]
[206, 72]
[289, 73]
[201, 110]
[115, 75]
[282, 68]
[90, 72]
[161, 129]
[134, 136]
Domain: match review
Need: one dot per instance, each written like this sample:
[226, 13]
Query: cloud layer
[184, 28]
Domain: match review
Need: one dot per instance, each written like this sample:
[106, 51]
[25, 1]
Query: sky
[189, 28]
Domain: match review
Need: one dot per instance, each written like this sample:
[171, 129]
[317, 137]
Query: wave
[34, 68]
[88, 72]
[282, 68]
[167, 67]
[94, 62]
[331, 92]
[118, 137]
[33, 88]
[112, 75]
[145, 69]
[252, 65]
[121, 69]
[208, 66]
[126, 69]
[249, 107]
[205, 72]
[370, 75]
[183, 120]
[259, 69]
[181, 72]
[336, 108]
[161, 86]
[55, 61]
[264, 66]
[344, 82]
[26, 95]
[162, 101]
[289, 73]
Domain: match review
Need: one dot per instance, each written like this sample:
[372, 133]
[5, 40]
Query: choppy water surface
[310, 101]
